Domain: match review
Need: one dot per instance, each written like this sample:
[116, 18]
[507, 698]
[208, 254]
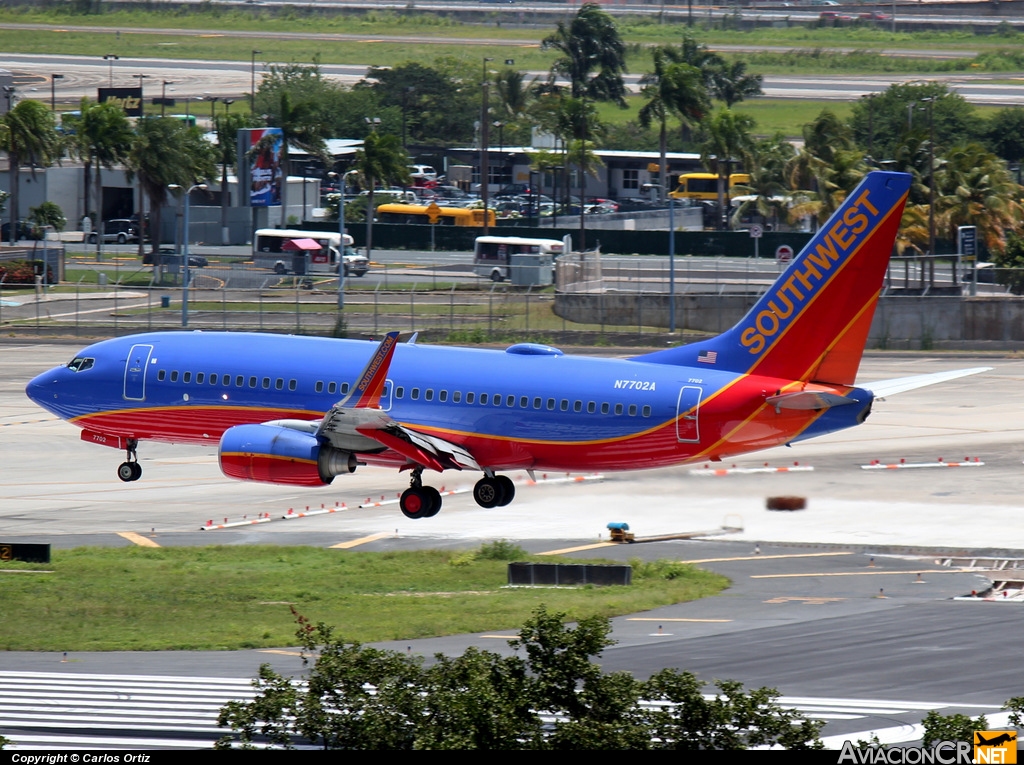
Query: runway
[824, 606]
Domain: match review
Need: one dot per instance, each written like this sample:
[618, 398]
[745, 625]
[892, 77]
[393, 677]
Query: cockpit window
[80, 364]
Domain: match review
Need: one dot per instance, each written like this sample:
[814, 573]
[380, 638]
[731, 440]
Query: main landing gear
[130, 469]
[419, 501]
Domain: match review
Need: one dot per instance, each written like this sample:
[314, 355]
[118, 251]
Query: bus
[448, 216]
[271, 250]
[492, 255]
[704, 186]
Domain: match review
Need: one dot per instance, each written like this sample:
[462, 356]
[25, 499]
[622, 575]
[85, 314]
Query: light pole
[53, 91]
[931, 175]
[252, 81]
[110, 58]
[341, 231]
[227, 104]
[671, 250]
[213, 105]
[142, 100]
[163, 97]
[485, 135]
[184, 257]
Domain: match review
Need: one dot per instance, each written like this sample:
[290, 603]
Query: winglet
[366, 393]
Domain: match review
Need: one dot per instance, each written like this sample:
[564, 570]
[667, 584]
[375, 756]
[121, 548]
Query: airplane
[297, 410]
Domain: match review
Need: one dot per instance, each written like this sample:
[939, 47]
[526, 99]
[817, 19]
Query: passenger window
[174, 376]
[510, 400]
[551, 405]
[647, 411]
[252, 382]
[605, 408]
[428, 394]
[319, 386]
[213, 379]
[187, 377]
[470, 398]
[442, 395]
[344, 388]
[400, 391]
[564, 406]
[279, 384]
[239, 381]
[577, 406]
[161, 375]
[524, 402]
[415, 394]
[457, 396]
[266, 383]
[483, 398]
[292, 385]
[591, 407]
[200, 377]
[632, 410]
[536, 402]
[496, 399]
[618, 409]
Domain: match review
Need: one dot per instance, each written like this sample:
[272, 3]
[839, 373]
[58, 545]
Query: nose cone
[45, 389]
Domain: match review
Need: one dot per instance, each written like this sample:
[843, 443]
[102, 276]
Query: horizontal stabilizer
[809, 400]
[884, 388]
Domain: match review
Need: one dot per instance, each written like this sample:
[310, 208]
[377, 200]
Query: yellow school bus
[447, 216]
[705, 185]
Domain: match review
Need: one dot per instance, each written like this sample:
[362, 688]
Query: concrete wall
[900, 322]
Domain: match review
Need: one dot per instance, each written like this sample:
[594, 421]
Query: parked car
[120, 230]
[25, 230]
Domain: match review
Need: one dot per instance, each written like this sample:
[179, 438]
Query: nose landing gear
[130, 469]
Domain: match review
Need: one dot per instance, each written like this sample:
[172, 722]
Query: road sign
[433, 212]
[967, 238]
[784, 253]
[756, 231]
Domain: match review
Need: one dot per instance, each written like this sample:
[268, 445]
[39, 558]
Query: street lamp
[163, 97]
[252, 81]
[341, 231]
[485, 134]
[110, 58]
[53, 92]
[931, 175]
[213, 105]
[227, 104]
[142, 100]
[185, 263]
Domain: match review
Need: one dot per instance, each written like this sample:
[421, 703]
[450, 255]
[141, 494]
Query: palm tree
[727, 141]
[672, 88]
[767, 184]
[382, 158]
[102, 138]
[979, 191]
[301, 126]
[731, 83]
[28, 135]
[227, 126]
[165, 152]
[589, 43]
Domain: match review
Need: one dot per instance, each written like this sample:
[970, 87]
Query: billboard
[129, 99]
[259, 151]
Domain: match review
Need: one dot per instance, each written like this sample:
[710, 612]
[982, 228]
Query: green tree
[732, 83]
[102, 138]
[950, 728]
[28, 135]
[592, 55]
[1010, 265]
[226, 127]
[672, 89]
[382, 158]
[977, 190]
[48, 214]
[882, 121]
[166, 151]
[432, 104]
[1005, 133]
[301, 126]
[728, 142]
[770, 160]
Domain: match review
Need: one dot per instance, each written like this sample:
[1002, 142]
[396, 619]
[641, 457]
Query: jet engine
[273, 454]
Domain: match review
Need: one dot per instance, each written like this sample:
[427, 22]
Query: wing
[884, 388]
[358, 424]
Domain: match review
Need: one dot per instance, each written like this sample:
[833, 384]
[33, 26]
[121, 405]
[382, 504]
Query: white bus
[271, 250]
[492, 255]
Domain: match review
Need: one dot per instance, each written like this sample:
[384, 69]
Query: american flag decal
[707, 357]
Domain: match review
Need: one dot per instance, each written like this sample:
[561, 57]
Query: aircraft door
[135, 372]
[385, 395]
[688, 414]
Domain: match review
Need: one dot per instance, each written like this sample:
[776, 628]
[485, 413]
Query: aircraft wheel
[136, 471]
[434, 496]
[415, 503]
[488, 492]
[508, 489]
[126, 472]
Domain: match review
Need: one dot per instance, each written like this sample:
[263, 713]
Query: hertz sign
[129, 99]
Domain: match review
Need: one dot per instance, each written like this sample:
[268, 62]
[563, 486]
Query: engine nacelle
[272, 454]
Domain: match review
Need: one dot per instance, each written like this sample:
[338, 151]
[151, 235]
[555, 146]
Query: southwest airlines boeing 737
[297, 410]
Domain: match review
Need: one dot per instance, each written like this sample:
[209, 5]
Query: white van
[492, 255]
[271, 250]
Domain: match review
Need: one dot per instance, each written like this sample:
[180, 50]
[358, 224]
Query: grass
[210, 598]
